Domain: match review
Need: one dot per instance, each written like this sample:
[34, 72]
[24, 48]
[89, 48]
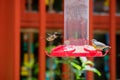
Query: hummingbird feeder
[76, 32]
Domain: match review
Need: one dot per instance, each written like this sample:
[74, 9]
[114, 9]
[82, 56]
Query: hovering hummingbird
[100, 46]
[52, 37]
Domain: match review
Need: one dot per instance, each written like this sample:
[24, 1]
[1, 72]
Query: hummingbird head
[93, 40]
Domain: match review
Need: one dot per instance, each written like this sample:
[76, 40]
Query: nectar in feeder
[76, 22]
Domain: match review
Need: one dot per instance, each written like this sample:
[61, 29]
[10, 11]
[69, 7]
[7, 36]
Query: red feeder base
[76, 51]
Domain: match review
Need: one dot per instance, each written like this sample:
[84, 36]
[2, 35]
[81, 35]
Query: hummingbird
[52, 37]
[100, 46]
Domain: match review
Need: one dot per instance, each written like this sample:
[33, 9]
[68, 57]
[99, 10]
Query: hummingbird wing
[99, 44]
[48, 34]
